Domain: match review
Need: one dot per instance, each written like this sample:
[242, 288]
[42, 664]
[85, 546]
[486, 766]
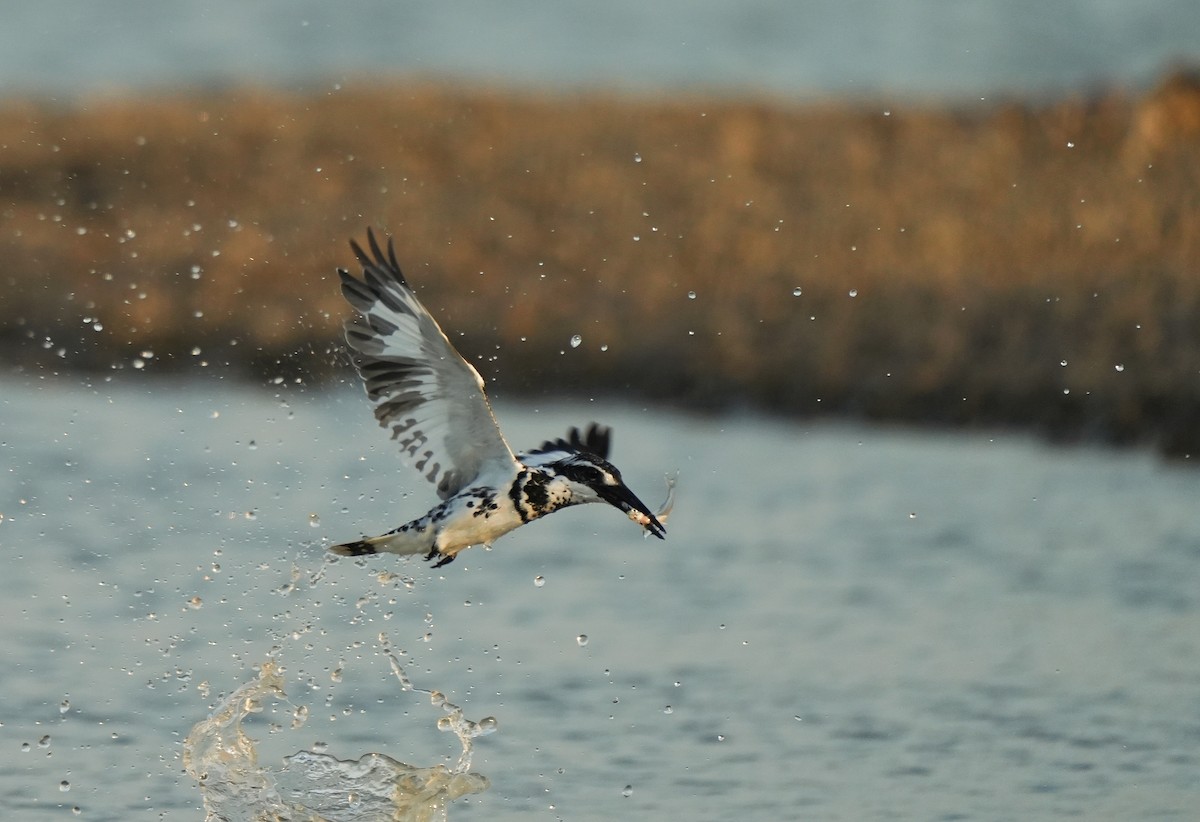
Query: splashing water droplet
[576, 341]
[299, 717]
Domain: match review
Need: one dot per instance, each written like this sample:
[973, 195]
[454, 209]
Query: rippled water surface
[844, 623]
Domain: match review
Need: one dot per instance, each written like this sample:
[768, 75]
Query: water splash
[313, 785]
[224, 761]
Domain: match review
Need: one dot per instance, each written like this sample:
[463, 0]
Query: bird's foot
[433, 554]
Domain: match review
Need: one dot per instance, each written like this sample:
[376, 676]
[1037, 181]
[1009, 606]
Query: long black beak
[621, 497]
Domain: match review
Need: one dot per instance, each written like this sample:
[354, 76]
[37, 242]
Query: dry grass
[948, 261]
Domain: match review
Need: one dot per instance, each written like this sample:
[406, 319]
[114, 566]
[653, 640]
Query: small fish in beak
[621, 497]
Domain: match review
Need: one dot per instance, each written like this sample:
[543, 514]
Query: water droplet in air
[64, 786]
[195, 602]
[797, 291]
[576, 341]
[581, 640]
[314, 521]
[299, 716]
[539, 581]
[44, 742]
[627, 792]
[691, 295]
[668, 710]
[64, 706]
[637, 158]
[252, 445]
[1119, 367]
[853, 292]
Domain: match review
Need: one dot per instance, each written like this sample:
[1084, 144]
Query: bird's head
[593, 479]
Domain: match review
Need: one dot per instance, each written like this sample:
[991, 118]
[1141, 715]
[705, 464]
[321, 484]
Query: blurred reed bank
[995, 262]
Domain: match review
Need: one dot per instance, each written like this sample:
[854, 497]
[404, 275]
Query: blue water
[844, 623]
[933, 48]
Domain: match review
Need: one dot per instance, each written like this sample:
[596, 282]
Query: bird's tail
[403, 542]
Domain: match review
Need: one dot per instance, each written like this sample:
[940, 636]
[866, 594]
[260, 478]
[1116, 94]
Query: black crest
[595, 441]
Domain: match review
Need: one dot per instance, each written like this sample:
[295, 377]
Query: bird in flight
[434, 403]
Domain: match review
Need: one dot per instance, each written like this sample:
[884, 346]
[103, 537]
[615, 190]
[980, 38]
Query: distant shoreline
[1008, 264]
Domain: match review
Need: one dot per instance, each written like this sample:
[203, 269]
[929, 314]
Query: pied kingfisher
[434, 403]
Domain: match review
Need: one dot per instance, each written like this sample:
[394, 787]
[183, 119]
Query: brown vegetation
[915, 264]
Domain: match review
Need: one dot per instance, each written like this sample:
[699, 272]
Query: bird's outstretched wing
[596, 440]
[431, 398]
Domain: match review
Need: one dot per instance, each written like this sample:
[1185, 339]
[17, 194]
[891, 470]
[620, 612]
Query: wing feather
[423, 390]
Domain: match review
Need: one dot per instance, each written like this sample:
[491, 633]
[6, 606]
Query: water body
[844, 623]
[932, 48]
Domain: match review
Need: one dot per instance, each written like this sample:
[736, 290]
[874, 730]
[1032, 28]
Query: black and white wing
[596, 440]
[431, 398]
